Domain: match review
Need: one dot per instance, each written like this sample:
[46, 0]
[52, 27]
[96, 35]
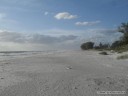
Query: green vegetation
[122, 44]
[90, 45]
[119, 46]
[87, 45]
[122, 48]
[102, 46]
[123, 56]
[124, 29]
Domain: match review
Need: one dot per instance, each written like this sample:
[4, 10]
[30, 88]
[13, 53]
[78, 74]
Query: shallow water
[6, 55]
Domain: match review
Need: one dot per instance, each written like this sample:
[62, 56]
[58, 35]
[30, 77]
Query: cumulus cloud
[87, 23]
[65, 15]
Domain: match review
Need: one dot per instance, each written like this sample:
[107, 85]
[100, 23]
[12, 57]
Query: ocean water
[7, 55]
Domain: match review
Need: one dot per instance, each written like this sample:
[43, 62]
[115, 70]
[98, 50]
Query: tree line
[119, 44]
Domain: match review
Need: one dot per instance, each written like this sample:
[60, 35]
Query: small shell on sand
[69, 67]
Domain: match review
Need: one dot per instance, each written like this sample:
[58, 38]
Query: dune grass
[121, 49]
[123, 56]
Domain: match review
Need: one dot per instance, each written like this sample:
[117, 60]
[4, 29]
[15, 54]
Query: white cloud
[87, 23]
[65, 15]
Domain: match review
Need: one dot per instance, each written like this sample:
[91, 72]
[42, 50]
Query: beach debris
[103, 53]
[68, 67]
[108, 77]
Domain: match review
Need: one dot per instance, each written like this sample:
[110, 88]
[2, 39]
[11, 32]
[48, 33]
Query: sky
[59, 24]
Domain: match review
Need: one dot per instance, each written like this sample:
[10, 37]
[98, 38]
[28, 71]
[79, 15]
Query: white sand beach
[67, 73]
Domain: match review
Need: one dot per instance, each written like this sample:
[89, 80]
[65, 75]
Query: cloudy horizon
[16, 41]
[44, 25]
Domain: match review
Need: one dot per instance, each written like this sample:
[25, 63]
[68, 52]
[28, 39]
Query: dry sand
[69, 73]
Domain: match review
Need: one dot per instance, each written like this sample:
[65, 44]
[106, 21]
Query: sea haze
[7, 55]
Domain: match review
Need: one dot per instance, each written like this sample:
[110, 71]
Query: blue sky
[83, 19]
